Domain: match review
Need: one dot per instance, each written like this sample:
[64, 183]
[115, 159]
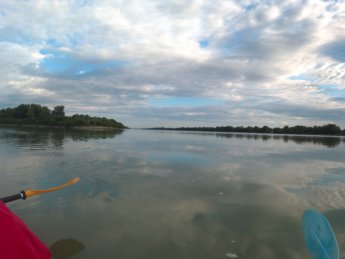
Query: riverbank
[42, 116]
[85, 128]
[326, 130]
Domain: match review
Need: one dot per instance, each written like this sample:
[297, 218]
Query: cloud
[241, 58]
[335, 50]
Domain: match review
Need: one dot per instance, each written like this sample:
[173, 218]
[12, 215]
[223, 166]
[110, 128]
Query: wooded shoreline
[327, 130]
[41, 116]
[86, 128]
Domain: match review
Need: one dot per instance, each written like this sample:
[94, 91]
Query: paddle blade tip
[319, 236]
[71, 182]
[75, 180]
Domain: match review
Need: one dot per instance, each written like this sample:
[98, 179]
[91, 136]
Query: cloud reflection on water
[138, 199]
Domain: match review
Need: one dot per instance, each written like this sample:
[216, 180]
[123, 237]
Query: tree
[21, 111]
[36, 109]
[331, 129]
[44, 112]
[266, 129]
[30, 114]
[59, 111]
[41, 115]
[44, 116]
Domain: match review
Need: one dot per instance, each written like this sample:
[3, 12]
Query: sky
[150, 63]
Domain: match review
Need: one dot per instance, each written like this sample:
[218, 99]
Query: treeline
[329, 129]
[35, 114]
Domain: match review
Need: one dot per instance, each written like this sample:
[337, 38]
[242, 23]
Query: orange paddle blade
[30, 193]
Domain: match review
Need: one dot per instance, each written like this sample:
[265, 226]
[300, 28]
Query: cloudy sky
[178, 63]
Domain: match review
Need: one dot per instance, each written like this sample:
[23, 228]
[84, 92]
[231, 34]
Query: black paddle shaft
[14, 197]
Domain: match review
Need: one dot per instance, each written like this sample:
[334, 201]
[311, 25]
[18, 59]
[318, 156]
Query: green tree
[21, 111]
[331, 129]
[266, 129]
[59, 111]
[30, 115]
[44, 116]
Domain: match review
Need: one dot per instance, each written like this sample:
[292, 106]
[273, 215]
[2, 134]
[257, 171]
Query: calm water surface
[164, 194]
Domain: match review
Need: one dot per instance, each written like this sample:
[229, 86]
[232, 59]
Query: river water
[167, 194]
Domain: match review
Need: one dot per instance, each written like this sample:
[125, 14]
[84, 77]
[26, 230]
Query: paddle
[25, 194]
[319, 236]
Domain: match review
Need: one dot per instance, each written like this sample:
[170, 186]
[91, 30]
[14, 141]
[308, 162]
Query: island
[42, 116]
[329, 129]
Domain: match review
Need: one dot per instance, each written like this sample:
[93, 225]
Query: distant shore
[325, 130]
[91, 128]
[39, 116]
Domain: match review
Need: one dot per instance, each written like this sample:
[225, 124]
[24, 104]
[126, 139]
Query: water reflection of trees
[85, 135]
[316, 140]
[40, 138]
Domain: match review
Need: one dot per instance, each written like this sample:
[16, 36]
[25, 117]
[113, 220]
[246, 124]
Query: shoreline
[91, 128]
[247, 133]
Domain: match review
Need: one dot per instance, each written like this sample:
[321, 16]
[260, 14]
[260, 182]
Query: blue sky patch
[332, 90]
[249, 7]
[57, 62]
[203, 44]
[302, 77]
[54, 43]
